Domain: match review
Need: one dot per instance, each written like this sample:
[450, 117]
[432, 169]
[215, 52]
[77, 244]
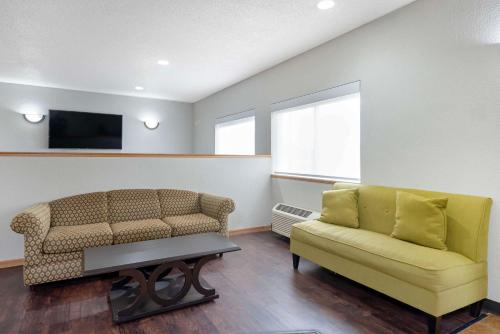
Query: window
[319, 139]
[235, 136]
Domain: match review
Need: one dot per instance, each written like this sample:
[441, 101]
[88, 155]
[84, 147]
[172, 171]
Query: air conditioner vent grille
[284, 216]
[293, 211]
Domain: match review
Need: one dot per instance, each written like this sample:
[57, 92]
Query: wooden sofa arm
[34, 223]
[218, 208]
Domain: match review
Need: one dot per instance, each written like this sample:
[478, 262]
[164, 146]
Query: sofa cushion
[140, 230]
[467, 216]
[421, 220]
[65, 239]
[133, 204]
[340, 207]
[83, 209]
[192, 224]
[175, 202]
[429, 268]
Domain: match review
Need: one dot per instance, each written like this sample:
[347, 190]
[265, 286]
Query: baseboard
[11, 263]
[249, 230]
[491, 306]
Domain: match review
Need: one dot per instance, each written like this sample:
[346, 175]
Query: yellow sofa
[434, 281]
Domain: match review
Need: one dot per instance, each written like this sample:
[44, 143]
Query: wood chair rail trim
[304, 178]
[122, 155]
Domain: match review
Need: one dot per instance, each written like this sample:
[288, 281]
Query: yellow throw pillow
[421, 220]
[340, 207]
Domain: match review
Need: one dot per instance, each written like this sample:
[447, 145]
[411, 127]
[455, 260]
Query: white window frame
[234, 118]
[313, 100]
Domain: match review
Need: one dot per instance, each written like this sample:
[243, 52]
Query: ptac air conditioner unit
[285, 215]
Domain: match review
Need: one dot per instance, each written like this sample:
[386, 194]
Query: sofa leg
[296, 260]
[434, 324]
[475, 309]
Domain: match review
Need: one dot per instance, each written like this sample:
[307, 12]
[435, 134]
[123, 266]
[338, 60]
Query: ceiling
[113, 46]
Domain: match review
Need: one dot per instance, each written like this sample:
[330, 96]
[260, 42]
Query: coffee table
[145, 286]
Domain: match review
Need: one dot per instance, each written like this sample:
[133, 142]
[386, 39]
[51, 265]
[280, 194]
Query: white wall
[173, 136]
[25, 181]
[430, 95]
[299, 193]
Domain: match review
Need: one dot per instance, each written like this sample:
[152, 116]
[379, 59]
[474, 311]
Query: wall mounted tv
[71, 129]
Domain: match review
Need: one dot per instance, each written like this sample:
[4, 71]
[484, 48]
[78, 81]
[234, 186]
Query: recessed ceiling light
[163, 62]
[139, 88]
[325, 4]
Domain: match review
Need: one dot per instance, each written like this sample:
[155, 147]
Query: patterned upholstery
[34, 223]
[218, 208]
[139, 230]
[192, 224]
[56, 253]
[60, 257]
[50, 272]
[178, 202]
[79, 210]
[65, 239]
[133, 204]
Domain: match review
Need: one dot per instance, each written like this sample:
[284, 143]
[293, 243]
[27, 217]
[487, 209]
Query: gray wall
[430, 95]
[173, 136]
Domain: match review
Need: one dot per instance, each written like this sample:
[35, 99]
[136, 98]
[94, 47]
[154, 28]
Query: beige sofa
[56, 233]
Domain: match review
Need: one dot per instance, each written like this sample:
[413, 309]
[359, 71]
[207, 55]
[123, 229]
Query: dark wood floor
[259, 291]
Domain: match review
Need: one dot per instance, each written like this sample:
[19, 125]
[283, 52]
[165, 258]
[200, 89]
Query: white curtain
[236, 137]
[318, 139]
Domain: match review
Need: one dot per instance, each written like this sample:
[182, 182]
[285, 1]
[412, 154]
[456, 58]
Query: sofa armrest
[34, 223]
[218, 208]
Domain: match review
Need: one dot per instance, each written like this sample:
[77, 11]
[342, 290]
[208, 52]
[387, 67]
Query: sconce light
[34, 118]
[151, 125]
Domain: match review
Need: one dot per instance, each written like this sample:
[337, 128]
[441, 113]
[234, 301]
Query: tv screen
[70, 129]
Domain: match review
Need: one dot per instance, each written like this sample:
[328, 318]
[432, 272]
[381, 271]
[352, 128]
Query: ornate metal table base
[148, 291]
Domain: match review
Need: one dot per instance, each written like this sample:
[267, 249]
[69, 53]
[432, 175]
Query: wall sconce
[34, 118]
[152, 125]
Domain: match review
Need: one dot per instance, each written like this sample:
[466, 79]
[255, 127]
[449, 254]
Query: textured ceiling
[112, 46]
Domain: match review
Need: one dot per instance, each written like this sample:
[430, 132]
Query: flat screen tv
[71, 129]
